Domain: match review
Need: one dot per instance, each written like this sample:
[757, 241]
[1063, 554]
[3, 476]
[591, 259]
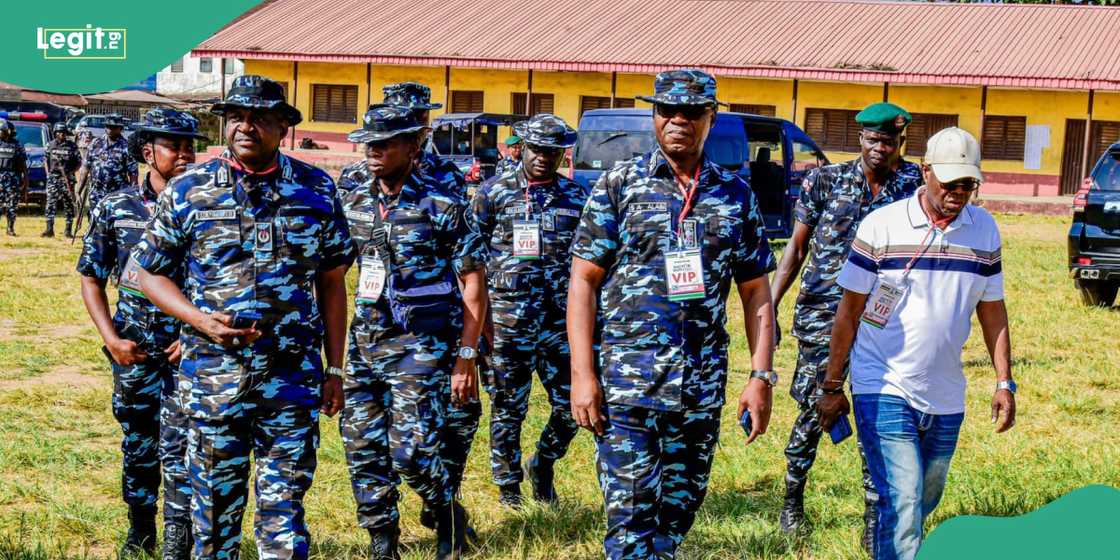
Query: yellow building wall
[1040, 107]
[496, 86]
[961, 101]
[1106, 106]
[568, 87]
[778, 93]
[630, 85]
[832, 95]
[311, 73]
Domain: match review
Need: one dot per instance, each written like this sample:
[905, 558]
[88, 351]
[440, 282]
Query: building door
[1073, 154]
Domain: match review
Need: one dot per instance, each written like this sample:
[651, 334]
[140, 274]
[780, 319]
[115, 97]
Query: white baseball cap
[954, 154]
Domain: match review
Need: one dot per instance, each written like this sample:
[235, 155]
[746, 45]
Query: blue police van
[772, 154]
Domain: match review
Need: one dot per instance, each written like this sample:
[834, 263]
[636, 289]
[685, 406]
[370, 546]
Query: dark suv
[1094, 237]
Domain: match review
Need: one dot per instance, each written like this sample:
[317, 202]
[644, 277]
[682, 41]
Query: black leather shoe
[141, 537]
[383, 543]
[540, 474]
[792, 518]
[176, 541]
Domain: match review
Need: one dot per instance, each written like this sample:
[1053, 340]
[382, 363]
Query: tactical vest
[8, 153]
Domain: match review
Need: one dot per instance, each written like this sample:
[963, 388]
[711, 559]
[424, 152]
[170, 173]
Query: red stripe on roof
[1027, 46]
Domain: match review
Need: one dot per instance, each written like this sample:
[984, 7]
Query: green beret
[884, 117]
[513, 140]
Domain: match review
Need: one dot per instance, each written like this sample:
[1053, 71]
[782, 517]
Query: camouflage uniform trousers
[282, 438]
[10, 193]
[801, 451]
[508, 380]
[154, 423]
[59, 197]
[653, 470]
[460, 424]
[393, 421]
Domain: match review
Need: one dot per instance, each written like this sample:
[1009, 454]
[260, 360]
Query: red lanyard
[237, 165]
[687, 194]
[923, 247]
[528, 203]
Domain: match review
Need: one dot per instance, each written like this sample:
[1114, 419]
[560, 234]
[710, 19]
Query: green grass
[59, 457]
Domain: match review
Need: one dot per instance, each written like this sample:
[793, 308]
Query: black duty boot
[792, 518]
[540, 475]
[870, 524]
[69, 229]
[383, 543]
[141, 538]
[428, 519]
[49, 232]
[176, 541]
[510, 495]
[11, 226]
[451, 531]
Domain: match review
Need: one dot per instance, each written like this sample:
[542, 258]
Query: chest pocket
[217, 244]
[299, 233]
[129, 233]
[413, 240]
[721, 235]
[645, 229]
[841, 215]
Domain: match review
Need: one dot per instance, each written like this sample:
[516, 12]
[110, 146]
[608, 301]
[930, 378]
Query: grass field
[59, 455]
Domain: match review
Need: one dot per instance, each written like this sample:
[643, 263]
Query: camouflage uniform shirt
[351, 176]
[656, 353]
[118, 224]
[109, 166]
[834, 200]
[445, 172]
[63, 157]
[506, 165]
[252, 244]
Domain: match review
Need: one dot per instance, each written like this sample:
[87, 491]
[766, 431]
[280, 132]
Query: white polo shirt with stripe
[917, 354]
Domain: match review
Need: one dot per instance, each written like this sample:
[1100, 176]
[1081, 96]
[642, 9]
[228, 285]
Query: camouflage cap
[683, 87]
[383, 122]
[884, 117]
[411, 95]
[114, 119]
[546, 130]
[161, 122]
[258, 92]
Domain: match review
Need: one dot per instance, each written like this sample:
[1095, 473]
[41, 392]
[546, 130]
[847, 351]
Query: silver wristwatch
[334, 371]
[1009, 384]
[467, 353]
[769, 376]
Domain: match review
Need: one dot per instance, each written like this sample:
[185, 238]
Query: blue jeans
[908, 453]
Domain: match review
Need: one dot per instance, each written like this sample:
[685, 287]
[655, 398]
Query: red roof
[1032, 46]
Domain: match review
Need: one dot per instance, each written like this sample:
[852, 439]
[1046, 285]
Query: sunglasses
[544, 150]
[963, 185]
[690, 112]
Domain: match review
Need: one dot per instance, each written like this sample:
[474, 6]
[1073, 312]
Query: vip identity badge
[684, 274]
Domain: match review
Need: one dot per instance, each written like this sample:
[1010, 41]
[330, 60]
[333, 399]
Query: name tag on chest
[130, 224]
[216, 215]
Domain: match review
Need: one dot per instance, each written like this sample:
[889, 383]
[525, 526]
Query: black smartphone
[745, 422]
[841, 429]
[244, 319]
[108, 354]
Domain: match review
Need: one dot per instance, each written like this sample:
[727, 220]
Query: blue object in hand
[841, 429]
[745, 422]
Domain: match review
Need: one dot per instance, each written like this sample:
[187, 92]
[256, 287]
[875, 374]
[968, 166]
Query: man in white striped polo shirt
[917, 270]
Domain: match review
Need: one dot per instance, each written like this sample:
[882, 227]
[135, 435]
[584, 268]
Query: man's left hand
[332, 395]
[757, 397]
[1003, 410]
[174, 354]
[464, 383]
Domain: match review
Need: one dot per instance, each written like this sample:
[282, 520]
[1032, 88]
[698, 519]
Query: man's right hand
[217, 327]
[832, 407]
[587, 403]
[126, 352]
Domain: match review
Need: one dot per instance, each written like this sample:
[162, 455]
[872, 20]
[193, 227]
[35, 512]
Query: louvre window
[1004, 137]
[466, 101]
[764, 110]
[922, 127]
[334, 103]
[834, 130]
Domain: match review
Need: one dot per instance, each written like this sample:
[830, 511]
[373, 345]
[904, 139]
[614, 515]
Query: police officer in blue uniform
[266, 247]
[13, 173]
[107, 164]
[834, 200]
[661, 240]
[414, 332]
[141, 342]
[527, 218]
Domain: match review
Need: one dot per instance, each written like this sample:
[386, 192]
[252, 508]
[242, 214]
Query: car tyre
[1097, 293]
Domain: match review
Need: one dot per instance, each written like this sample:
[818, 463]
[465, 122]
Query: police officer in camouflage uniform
[834, 200]
[660, 242]
[107, 163]
[266, 247]
[141, 341]
[512, 159]
[13, 173]
[416, 247]
[527, 219]
[62, 159]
